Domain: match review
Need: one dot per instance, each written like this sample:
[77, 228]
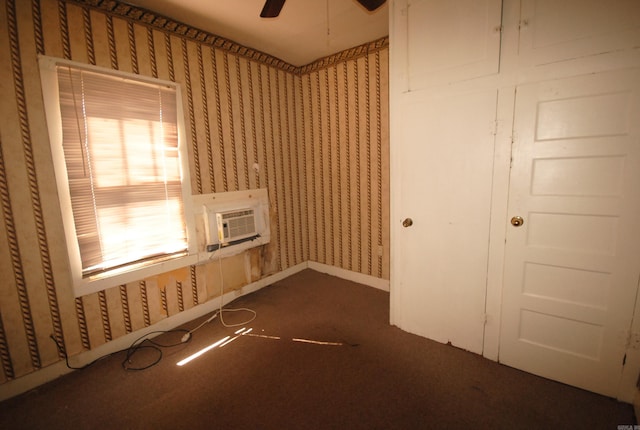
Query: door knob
[408, 222]
[517, 221]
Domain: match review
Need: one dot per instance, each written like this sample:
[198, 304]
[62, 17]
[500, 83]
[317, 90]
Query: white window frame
[135, 271]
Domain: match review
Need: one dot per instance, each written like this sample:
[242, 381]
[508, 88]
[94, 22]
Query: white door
[441, 258]
[572, 268]
[442, 165]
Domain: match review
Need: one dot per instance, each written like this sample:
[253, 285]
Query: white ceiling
[305, 31]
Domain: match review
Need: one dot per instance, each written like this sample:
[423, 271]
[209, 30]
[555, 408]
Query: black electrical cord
[154, 346]
[66, 357]
[142, 343]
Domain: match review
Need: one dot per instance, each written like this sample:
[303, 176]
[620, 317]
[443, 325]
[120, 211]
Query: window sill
[93, 284]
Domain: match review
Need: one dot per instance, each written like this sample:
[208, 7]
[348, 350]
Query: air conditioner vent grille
[236, 224]
[240, 226]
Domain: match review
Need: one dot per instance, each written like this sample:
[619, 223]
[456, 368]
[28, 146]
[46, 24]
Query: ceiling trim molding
[169, 25]
[346, 55]
[166, 24]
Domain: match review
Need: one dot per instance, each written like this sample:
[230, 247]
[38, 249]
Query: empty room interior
[348, 214]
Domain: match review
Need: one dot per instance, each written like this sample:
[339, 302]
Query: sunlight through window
[248, 332]
[202, 351]
[120, 144]
[317, 342]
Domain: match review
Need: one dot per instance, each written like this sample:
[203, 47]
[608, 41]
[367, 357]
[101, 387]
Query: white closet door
[440, 260]
[572, 268]
[442, 165]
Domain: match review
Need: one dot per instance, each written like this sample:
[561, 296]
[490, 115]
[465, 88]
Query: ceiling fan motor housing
[272, 8]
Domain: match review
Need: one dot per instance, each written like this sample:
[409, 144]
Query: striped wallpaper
[318, 135]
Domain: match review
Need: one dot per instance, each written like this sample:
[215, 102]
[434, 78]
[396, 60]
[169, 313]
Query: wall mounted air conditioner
[236, 226]
[234, 221]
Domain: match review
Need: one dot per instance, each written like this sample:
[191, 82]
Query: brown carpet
[379, 378]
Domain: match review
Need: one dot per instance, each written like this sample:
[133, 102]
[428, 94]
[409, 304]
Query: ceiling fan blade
[271, 8]
[371, 5]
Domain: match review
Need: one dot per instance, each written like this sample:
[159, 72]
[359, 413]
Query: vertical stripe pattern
[243, 126]
[347, 151]
[368, 149]
[37, 26]
[113, 55]
[194, 286]
[314, 136]
[303, 155]
[16, 263]
[192, 117]
[223, 162]
[132, 48]
[313, 197]
[336, 106]
[64, 29]
[145, 303]
[205, 115]
[271, 167]
[152, 53]
[163, 300]
[126, 312]
[347, 144]
[169, 50]
[5, 354]
[34, 192]
[180, 296]
[231, 127]
[104, 313]
[82, 323]
[254, 129]
[379, 162]
[88, 36]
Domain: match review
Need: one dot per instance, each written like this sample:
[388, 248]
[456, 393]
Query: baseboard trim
[372, 281]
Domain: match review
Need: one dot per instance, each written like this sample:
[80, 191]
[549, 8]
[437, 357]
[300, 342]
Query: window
[121, 173]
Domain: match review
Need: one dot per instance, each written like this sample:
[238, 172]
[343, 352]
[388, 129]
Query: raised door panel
[451, 41]
[553, 31]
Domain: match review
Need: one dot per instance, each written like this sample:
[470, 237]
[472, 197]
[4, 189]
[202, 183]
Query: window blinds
[120, 142]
